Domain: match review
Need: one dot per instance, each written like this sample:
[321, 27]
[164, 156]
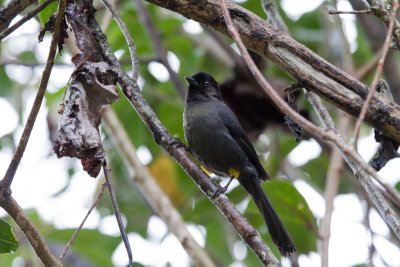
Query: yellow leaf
[163, 169]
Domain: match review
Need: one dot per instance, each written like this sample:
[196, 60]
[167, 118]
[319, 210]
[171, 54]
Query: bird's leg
[223, 189]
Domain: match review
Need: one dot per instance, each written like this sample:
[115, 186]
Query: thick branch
[29, 229]
[361, 169]
[178, 152]
[312, 71]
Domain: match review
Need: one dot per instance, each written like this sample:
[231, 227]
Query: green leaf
[44, 15]
[91, 244]
[8, 242]
[397, 186]
[216, 243]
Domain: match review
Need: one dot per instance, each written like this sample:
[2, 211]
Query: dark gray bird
[218, 141]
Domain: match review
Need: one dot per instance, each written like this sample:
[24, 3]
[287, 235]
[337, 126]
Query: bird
[217, 140]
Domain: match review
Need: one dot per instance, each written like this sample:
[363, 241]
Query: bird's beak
[191, 81]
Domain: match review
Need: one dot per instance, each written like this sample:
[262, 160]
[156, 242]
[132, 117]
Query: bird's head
[203, 86]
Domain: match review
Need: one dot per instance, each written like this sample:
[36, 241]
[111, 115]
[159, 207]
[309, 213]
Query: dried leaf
[86, 43]
[92, 87]
[49, 26]
[387, 150]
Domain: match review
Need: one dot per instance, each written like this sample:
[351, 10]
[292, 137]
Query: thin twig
[381, 11]
[72, 239]
[11, 10]
[128, 38]
[379, 70]
[367, 68]
[273, 14]
[132, 92]
[124, 61]
[27, 17]
[151, 191]
[354, 12]
[238, 61]
[362, 173]
[117, 213]
[6, 200]
[161, 52]
[336, 160]
[296, 60]
[8, 203]
[107, 17]
[331, 189]
[387, 213]
[12, 168]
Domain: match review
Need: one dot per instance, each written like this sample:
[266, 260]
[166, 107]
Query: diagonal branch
[12, 168]
[27, 17]
[361, 173]
[8, 203]
[162, 53]
[272, 12]
[152, 192]
[311, 70]
[362, 170]
[72, 239]
[11, 10]
[128, 37]
[381, 10]
[117, 212]
[378, 71]
[132, 92]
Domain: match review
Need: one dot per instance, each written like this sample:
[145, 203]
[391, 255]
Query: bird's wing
[236, 131]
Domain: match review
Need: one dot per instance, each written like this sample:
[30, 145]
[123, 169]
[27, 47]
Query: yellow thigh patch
[233, 173]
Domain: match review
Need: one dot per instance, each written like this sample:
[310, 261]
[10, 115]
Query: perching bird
[218, 141]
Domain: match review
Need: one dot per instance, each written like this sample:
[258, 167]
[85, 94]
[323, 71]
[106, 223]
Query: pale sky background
[40, 175]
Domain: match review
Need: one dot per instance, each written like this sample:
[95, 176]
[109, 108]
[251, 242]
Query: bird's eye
[207, 83]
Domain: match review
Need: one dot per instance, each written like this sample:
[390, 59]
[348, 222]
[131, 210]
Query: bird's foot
[222, 189]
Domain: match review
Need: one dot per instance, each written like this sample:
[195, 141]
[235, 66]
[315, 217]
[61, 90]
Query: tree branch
[331, 189]
[8, 203]
[152, 192]
[362, 170]
[6, 200]
[72, 239]
[178, 152]
[162, 53]
[272, 12]
[381, 10]
[128, 38]
[312, 71]
[378, 72]
[27, 17]
[11, 10]
[117, 212]
[12, 168]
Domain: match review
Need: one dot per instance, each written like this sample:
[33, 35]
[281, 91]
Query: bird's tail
[275, 226]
